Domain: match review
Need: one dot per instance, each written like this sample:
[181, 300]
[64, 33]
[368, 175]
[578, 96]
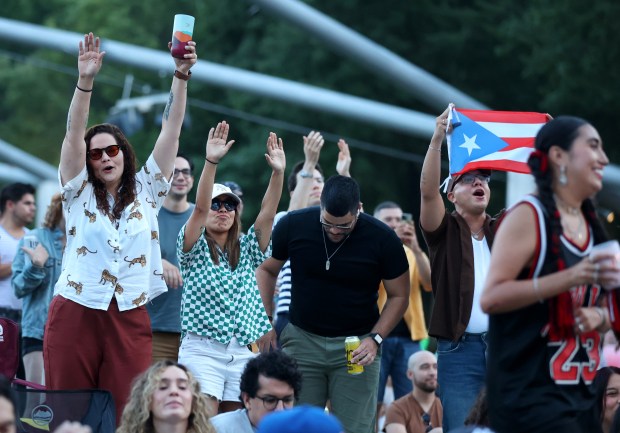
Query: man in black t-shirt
[338, 258]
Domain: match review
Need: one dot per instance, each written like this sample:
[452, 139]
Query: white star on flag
[470, 143]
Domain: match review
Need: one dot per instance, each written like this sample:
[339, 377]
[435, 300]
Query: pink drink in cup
[182, 32]
[609, 247]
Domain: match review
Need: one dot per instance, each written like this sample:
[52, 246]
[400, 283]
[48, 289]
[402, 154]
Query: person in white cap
[221, 309]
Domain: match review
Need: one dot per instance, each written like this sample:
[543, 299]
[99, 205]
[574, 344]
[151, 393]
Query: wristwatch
[305, 174]
[378, 339]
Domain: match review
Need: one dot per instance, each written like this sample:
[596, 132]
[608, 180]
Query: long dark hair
[561, 132]
[231, 247]
[601, 380]
[127, 191]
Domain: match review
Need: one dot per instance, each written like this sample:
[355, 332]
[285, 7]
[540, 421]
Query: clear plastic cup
[182, 32]
[609, 247]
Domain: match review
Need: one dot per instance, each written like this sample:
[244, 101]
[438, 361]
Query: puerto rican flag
[492, 140]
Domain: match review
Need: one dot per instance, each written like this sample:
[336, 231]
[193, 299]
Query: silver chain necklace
[475, 235]
[327, 262]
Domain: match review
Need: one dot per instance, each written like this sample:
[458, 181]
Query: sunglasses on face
[328, 226]
[230, 206]
[469, 179]
[111, 151]
[186, 172]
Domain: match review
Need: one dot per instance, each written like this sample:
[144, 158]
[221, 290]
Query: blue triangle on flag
[470, 141]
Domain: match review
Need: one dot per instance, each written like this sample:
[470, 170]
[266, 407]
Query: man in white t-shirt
[459, 244]
[17, 206]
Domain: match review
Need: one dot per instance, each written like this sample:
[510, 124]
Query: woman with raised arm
[544, 292]
[222, 312]
[98, 333]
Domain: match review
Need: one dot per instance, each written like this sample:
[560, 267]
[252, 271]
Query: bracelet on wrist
[436, 149]
[83, 90]
[601, 314]
[181, 76]
[214, 163]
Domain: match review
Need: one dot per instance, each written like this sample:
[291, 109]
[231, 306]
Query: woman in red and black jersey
[544, 290]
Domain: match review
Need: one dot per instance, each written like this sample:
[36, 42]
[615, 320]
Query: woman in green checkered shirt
[222, 312]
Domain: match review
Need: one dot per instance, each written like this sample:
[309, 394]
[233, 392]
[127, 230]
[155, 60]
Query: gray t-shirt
[165, 310]
[233, 422]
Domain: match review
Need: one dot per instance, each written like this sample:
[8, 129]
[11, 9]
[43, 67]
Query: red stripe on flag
[499, 165]
[514, 143]
[504, 116]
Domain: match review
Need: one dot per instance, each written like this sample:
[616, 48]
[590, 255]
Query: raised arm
[73, 151]
[432, 208]
[277, 161]
[406, 233]
[343, 166]
[167, 143]
[217, 147]
[313, 144]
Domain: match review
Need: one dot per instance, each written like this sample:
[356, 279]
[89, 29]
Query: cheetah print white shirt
[102, 261]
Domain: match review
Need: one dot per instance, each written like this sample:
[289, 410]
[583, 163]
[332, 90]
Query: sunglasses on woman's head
[216, 205]
[111, 151]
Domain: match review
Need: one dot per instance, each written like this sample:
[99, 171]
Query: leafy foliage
[532, 56]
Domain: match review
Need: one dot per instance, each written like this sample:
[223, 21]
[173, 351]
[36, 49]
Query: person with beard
[305, 184]
[17, 207]
[165, 310]
[338, 256]
[420, 411]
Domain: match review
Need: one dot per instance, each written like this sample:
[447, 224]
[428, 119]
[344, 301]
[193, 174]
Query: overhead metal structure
[397, 118]
[377, 59]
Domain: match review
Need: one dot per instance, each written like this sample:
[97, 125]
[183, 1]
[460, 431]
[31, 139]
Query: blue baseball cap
[300, 419]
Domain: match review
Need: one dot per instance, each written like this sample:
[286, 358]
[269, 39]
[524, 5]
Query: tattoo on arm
[69, 119]
[168, 106]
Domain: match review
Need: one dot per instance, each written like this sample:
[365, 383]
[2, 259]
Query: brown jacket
[452, 273]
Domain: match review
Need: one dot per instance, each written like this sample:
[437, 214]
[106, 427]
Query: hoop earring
[562, 179]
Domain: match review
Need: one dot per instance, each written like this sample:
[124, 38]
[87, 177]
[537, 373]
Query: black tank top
[534, 384]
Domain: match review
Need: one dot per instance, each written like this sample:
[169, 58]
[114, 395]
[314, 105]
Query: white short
[216, 366]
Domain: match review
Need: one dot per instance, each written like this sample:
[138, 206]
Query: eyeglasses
[469, 179]
[230, 206]
[426, 418]
[328, 226]
[186, 172]
[111, 151]
[270, 402]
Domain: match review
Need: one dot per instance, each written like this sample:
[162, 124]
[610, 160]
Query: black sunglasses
[216, 205]
[426, 418]
[111, 151]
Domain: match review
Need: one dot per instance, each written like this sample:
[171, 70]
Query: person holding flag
[544, 290]
[459, 245]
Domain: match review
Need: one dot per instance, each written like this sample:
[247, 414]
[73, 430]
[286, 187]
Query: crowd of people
[196, 325]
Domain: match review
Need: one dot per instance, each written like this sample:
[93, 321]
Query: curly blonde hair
[137, 416]
[54, 215]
